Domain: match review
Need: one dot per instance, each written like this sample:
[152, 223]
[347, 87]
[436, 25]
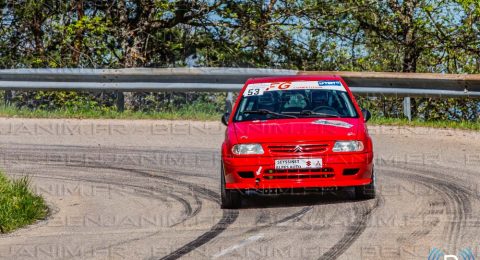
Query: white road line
[237, 246]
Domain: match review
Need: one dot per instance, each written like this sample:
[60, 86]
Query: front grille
[274, 171]
[271, 174]
[298, 149]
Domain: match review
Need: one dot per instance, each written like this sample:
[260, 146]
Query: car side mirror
[366, 114]
[225, 118]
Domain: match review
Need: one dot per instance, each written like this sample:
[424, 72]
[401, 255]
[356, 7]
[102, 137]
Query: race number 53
[253, 92]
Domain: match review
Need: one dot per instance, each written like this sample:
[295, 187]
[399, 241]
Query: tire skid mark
[198, 207]
[79, 161]
[456, 196]
[228, 216]
[207, 193]
[68, 148]
[432, 209]
[168, 180]
[362, 214]
[459, 204]
[295, 215]
[187, 207]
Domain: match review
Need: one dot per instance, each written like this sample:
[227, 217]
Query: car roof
[293, 78]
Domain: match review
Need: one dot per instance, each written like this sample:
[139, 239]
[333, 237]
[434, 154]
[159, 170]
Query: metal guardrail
[232, 79]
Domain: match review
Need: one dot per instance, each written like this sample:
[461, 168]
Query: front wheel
[366, 192]
[230, 199]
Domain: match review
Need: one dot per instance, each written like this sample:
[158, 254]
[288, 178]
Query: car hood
[298, 130]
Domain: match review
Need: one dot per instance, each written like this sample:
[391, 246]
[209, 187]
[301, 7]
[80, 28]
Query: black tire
[230, 199]
[366, 192]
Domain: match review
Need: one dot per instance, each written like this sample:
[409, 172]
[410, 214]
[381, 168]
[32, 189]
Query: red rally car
[295, 132]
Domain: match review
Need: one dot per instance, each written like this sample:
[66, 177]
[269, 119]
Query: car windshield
[262, 102]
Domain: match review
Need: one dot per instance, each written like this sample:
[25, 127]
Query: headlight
[348, 146]
[247, 149]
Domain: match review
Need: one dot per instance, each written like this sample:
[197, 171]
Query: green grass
[18, 205]
[202, 112]
[194, 112]
[466, 125]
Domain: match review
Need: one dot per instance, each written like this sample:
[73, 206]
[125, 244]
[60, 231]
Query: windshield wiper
[266, 112]
[313, 113]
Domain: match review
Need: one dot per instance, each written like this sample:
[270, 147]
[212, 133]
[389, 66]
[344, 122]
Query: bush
[424, 109]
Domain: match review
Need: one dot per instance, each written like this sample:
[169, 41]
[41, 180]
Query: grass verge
[201, 112]
[194, 112]
[465, 125]
[18, 205]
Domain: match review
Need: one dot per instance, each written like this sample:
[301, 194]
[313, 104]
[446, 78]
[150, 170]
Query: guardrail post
[407, 108]
[120, 101]
[7, 97]
[229, 102]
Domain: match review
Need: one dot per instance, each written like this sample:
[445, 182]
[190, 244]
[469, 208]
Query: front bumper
[259, 172]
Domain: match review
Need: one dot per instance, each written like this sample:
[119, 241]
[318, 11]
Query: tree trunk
[78, 35]
[410, 58]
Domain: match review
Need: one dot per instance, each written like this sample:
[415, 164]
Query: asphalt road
[150, 190]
